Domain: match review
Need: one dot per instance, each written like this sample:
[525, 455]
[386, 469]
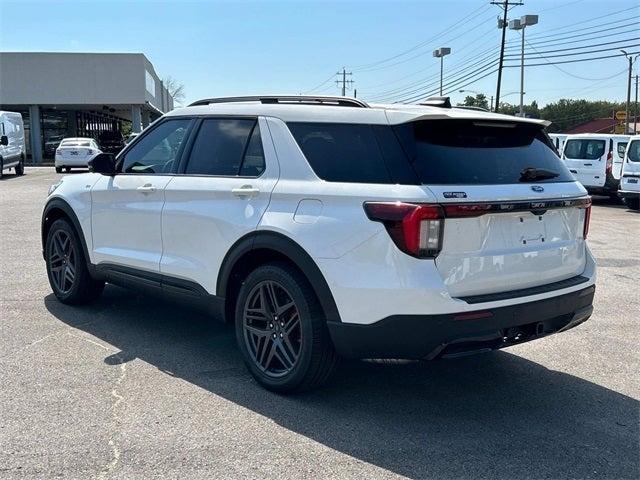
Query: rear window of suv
[450, 152]
[445, 152]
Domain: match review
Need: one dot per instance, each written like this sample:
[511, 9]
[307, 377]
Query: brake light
[415, 229]
[609, 161]
[587, 219]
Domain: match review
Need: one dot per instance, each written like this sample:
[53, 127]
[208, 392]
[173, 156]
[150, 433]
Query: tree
[175, 89]
[480, 100]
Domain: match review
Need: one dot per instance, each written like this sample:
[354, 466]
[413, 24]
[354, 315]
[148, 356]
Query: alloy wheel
[62, 261]
[272, 328]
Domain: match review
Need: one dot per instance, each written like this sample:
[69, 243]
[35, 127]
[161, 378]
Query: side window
[622, 148]
[253, 162]
[340, 152]
[220, 147]
[157, 152]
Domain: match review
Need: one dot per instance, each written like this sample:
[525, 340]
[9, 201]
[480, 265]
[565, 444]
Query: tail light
[587, 219]
[609, 161]
[415, 229]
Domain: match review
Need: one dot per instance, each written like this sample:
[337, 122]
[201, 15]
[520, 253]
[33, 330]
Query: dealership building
[79, 95]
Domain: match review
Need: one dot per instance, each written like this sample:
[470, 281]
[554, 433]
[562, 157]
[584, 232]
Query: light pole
[440, 53]
[479, 93]
[521, 24]
[626, 121]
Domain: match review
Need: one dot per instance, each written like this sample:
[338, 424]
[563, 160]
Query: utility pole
[635, 110]
[502, 23]
[631, 59]
[344, 80]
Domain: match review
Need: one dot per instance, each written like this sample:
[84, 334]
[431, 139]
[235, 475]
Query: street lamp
[521, 24]
[626, 121]
[440, 53]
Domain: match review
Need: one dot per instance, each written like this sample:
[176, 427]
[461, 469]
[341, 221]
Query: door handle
[245, 191]
[146, 188]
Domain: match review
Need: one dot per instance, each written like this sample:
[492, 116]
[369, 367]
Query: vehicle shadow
[608, 202]
[495, 416]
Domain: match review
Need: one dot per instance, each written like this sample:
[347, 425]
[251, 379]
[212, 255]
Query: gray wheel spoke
[257, 331]
[291, 323]
[283, 308]
[285, 358]
[266, 352]
[68, 275]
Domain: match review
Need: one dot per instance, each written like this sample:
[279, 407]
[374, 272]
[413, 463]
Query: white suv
[326, 227]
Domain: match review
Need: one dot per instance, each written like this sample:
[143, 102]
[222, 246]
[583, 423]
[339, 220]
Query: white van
[630, 181]
[12, 147]
[558, 140]
[596, 160]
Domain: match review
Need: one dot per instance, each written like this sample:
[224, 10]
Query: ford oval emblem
[537, 188]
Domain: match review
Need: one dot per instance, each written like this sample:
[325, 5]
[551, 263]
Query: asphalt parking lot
[131, 387]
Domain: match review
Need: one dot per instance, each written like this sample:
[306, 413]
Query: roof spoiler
[442, 102]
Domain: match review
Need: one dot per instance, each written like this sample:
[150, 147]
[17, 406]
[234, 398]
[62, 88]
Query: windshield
[584, 149]
[477, 152]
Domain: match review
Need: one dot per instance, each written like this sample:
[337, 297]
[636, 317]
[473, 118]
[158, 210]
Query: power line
[423, 43]
[582, 52]
[321, 84]
[571, 61]
[572, 74]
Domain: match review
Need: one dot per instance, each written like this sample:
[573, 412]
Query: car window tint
[584, 149]
[219, 147]
[454, 152]
[253, 163]
[634, 151]
[340, 152]
[158, 150]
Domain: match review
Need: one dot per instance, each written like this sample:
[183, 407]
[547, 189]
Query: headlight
[53, 187]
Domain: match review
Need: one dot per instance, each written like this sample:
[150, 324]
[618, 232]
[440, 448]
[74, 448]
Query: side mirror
[105, 164]
[4, 140]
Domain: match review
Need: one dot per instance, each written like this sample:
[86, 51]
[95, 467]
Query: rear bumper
[447, 335]
[628, 194]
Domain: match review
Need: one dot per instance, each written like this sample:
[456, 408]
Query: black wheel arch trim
[289, 248]
[60, 204]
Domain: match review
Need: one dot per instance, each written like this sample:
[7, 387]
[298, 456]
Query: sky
[220, 48]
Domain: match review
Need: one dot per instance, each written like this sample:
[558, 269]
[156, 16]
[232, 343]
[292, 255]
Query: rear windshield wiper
[531, 174]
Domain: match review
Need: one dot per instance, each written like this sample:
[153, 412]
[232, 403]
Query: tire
[58, 169]
[19, 169]
[67, 269]
[287, 353]
[633, 203]
[67, 169]
[1, 167]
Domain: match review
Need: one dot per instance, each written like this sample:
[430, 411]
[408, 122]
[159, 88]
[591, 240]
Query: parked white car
[326, 227]
[596, 160]
[76, 152]
[630, 182]
[12, 145]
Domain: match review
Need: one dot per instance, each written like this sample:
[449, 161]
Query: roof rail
[442, 102]
[287, 99]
